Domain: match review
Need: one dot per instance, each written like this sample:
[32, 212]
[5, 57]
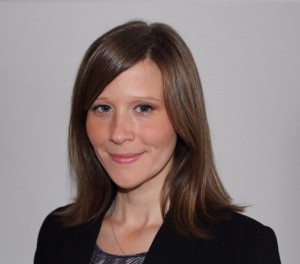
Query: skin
[134, 140]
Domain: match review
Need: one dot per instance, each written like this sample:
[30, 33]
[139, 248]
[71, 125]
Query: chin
[126, 184]
[127, 187]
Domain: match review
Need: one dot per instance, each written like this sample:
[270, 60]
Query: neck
[138, 208]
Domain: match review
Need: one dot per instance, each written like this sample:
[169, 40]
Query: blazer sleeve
[262, 248]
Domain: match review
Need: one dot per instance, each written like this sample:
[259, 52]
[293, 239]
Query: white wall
[249, 61]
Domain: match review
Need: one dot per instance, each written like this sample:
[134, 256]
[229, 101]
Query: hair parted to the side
[192, 194]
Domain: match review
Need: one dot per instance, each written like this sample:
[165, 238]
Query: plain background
[249, 62]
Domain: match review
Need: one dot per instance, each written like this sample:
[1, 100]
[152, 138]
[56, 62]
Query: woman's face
[130, 130]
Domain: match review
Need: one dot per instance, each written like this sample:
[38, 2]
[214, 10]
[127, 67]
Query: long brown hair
[193, 192]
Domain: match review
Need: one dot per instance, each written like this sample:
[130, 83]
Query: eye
[144, 108]
[102, 108]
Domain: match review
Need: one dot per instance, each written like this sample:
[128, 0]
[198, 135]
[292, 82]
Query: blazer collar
[167, 247]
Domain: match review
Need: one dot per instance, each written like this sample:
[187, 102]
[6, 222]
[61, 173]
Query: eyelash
[145, 108]
[140, 109]
[100, 108]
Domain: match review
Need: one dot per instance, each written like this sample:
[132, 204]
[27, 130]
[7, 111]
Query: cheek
[169, 139]
[90, 130]
[95, 134]
[161, 135]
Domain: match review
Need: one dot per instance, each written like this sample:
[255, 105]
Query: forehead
[142, 79]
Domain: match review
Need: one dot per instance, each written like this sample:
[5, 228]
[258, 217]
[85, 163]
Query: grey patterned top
[101, 257]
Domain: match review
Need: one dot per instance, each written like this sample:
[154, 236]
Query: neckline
[142, 254]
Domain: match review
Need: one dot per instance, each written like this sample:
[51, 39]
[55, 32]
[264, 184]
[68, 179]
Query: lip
[126, 158]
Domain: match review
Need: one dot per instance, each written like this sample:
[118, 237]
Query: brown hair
[193, 191]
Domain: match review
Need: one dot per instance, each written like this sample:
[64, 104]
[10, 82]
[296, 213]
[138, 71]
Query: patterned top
[101, 257]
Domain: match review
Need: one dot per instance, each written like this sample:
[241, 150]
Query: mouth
[126, 158]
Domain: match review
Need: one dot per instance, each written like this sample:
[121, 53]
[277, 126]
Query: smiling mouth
[126, 158]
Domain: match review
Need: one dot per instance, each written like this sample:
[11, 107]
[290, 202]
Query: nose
[122, 129]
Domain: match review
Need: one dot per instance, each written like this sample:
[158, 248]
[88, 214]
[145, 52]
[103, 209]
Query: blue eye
[144, 108]
[103, 108]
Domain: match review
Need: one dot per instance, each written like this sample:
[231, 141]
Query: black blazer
[241, 240]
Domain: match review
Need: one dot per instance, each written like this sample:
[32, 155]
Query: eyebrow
[151, 98]
[146, 97]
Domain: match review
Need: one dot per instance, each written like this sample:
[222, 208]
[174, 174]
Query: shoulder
[53, 223]
[248, 240]
[240, 224]
[60, 244]
[51, 235]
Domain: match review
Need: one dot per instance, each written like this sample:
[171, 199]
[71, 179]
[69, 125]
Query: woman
[140, 151]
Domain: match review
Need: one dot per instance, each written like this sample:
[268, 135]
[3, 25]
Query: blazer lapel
[170, 247]
[79, 244]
